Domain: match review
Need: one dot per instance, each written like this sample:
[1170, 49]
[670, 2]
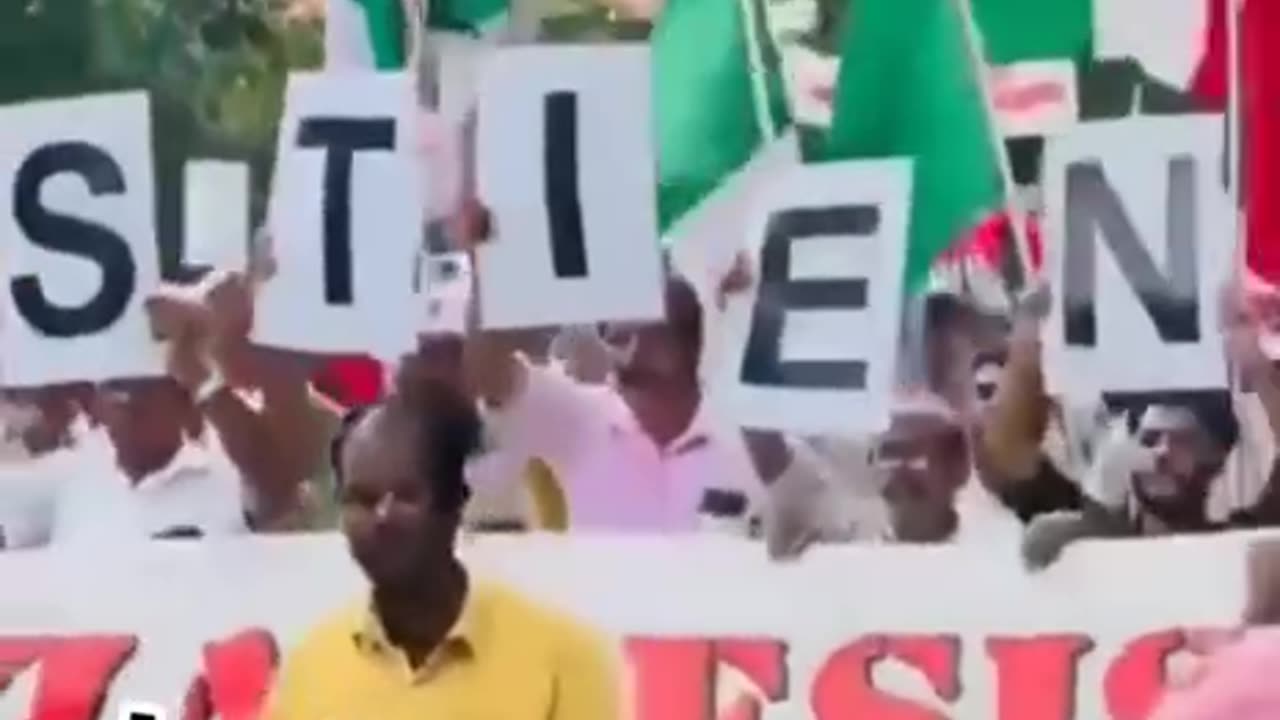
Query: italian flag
[1259, 55]
[366, 34]
[902, 83]
[909, 87]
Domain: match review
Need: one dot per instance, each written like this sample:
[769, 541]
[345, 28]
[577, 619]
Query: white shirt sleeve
[28, 494]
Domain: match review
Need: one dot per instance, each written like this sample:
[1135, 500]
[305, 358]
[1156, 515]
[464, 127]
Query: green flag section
[368, 34]
[474, 17]
[1017, 30]
[907, 88]
[705, 98]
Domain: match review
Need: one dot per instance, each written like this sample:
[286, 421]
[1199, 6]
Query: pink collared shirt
[613, 475]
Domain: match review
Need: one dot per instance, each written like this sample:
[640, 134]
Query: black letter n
[762, 362]
[1171, 298]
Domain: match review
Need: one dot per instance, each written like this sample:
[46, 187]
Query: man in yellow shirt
[431, 641]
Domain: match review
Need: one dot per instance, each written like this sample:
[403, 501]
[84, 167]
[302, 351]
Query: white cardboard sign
[565, 165]
[215, 217]
[346, 216]
[1137, 248]
[811, 348]
[705, 243]
[77, 229]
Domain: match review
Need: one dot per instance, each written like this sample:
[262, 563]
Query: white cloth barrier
[970, 633]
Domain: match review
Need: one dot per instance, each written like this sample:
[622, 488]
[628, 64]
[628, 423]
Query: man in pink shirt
[641, 452]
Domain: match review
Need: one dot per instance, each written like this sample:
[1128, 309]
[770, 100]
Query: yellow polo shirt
[506, 658]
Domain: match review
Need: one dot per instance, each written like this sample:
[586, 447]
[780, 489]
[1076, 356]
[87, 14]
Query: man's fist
[185, 324]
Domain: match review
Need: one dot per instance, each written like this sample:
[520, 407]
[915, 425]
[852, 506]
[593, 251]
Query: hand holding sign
[181, 320]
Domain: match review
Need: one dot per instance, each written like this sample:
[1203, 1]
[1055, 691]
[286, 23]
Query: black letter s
[73, 236]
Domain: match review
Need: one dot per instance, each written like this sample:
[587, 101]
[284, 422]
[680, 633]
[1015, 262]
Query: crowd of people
[611, 429]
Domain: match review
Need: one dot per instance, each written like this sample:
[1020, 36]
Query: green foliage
[216, 77]
[44, 48]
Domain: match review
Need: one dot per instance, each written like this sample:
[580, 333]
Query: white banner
[851, 632]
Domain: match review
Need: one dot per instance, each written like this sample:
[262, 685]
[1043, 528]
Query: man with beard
[1163, 465]
[1178, 449]
[432, 640]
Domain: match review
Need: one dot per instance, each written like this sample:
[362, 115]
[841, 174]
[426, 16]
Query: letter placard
[565, 164]
[811, 349]
[346, 216]
[1138, 245]
[216, 214]
[77, 225]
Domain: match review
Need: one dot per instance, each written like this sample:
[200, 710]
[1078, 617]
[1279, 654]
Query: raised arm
[277, 442]
[534, 410]
[1014, 428]
[1244, 347]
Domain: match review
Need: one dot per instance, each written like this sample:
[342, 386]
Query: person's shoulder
[553, 626]
[332, 635]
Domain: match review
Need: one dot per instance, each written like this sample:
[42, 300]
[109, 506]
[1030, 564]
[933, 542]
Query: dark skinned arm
[1013, 430]
[274, 447]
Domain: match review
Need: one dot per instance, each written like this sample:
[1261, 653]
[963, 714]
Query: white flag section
[1168, 38]
[707, 240]
[1035, 97]
[215, 217]
[1137, 247]
[77, 228]
[812, 347]
[565, 164]
[346, 216]
[844, 633]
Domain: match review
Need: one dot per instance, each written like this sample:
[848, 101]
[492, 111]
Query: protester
[1177, 449]
[922, 468]
[176, 481]
[877, 497]
[433, 640]
[641, 452]
[508, 493]
[46, 436]
[269, 421]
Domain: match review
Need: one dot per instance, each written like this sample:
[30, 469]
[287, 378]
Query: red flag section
[1260, 72]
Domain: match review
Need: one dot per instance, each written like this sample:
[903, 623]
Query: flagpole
[1238, 219]
[757, 71]
[1235, 106]
[415, 16]
[977, 59]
